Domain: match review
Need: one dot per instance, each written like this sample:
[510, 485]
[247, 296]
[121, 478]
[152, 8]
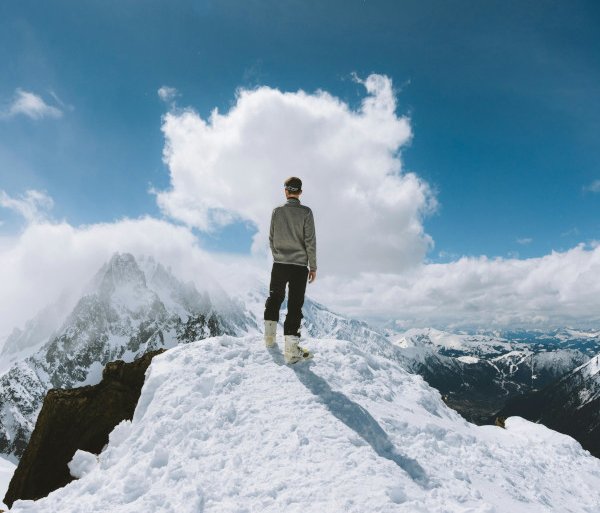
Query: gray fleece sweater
[292, 236]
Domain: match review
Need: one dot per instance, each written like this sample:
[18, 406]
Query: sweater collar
[293, 200]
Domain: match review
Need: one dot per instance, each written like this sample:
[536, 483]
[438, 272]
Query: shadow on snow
[355, 417]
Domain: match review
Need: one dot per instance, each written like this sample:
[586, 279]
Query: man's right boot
[270, 333]
[293, 352]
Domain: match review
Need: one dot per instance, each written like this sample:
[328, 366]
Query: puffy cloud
[561, 288]
[33, 205]
[32, 106]
[231, 167]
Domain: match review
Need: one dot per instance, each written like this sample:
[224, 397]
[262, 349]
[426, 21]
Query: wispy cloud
[33, 205]
[167, 94]
[593, 187]
[31, 105]
[573, 232]
[524, 241]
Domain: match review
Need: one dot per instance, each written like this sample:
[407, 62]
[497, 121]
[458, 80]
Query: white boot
[270, 333]
[293, 352]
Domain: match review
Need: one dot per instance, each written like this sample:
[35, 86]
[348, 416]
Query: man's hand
[312, 276]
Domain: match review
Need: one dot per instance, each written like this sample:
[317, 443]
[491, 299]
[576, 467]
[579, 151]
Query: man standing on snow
[294, 246]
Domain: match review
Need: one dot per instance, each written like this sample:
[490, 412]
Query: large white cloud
[231, 167]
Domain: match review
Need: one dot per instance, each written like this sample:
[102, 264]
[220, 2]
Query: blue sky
[503, 99]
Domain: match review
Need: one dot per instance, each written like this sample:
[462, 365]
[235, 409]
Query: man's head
[293, 187]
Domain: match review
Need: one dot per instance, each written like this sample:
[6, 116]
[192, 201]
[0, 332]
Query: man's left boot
[270, 333]
[293, 352]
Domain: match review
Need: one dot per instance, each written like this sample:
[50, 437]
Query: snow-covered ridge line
[223, 425]
[591, 368]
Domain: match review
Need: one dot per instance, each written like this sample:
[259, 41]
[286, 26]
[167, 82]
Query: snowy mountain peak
[224, 425]
[123, 314]
[120, 273]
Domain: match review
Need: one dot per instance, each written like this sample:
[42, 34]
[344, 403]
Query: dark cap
[293, 184]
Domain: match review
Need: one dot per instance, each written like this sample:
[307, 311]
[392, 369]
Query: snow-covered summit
[119, 273]
[224, 425]
[133, 304]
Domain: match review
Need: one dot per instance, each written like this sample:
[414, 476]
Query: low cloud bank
[49, 259]
[558, 289]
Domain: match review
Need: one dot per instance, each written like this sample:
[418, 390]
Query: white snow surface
[7, 469]
[468, 359]
[82, 463]
[223, 425]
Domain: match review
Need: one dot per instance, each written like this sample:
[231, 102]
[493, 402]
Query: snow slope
[223, 425]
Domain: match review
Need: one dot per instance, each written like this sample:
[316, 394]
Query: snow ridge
[224, 425]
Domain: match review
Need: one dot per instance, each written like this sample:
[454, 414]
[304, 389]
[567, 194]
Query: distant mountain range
[478, 373]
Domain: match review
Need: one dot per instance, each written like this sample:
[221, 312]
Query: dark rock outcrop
[77, 418]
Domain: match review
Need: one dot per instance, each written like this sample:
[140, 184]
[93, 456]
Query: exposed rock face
[78, 418]
[571, 406]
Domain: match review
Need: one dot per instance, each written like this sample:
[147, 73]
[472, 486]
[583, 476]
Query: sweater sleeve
[271, 230]
[310, 240]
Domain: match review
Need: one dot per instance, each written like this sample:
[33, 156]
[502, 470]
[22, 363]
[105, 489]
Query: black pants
[296, 276]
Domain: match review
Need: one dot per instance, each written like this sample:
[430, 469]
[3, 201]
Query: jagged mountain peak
[131, 306]
[120, 272]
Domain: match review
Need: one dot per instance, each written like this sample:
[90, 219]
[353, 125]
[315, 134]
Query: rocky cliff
[78, 418]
